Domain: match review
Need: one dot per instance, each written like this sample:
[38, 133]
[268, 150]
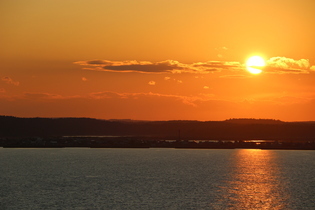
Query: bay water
[156, 178]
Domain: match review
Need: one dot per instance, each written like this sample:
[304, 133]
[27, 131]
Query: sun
[254, 64]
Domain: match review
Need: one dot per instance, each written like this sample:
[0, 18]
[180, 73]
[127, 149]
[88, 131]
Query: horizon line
[126, 119]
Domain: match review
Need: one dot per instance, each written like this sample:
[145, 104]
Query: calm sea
[82, 178]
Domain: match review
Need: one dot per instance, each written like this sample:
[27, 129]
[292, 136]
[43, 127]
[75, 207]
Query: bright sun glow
[254, 64]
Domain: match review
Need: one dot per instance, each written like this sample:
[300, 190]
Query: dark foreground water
[82, 178]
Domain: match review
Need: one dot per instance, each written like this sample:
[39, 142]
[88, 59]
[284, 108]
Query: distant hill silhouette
[253, 121]
[232, 129]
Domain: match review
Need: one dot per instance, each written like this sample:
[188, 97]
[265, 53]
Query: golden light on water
[255, 184]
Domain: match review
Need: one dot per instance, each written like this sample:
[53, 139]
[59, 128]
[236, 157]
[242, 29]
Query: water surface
[83, 178]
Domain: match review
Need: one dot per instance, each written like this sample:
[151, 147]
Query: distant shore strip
[141, 142]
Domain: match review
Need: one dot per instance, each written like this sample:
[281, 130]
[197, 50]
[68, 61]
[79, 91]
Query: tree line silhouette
[232, 129]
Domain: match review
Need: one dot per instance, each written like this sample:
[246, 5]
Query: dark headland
[88, 132]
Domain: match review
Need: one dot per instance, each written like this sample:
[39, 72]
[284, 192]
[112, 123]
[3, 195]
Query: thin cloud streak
[45, 96]
[10, 81]
[189, 100]
[168, 66]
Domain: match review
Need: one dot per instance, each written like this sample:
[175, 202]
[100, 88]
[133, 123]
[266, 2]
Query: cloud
[275, 65]
[84, 79]
[175, 80]
[2, 90]
[188, 100]
[167, 78]
[205, 87]
[235, 76]
[213, 65]
[111, 95]
[10, 81]
[42, 96]
[168, 66]
[284, 98]
[106, 94]
[221, 51]
[133, 66]
[45, 96]
[284, 65]
[151, 83]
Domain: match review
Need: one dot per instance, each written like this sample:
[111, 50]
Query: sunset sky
[157, 59]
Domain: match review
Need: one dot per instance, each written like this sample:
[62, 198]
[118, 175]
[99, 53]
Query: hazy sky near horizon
[157, 59]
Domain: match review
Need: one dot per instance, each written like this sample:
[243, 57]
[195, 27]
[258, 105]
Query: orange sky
[157, 59]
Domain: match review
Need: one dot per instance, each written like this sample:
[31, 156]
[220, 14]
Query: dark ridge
[232, 129]
[254, 121]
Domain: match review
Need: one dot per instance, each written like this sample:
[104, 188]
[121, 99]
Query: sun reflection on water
[256, 181]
